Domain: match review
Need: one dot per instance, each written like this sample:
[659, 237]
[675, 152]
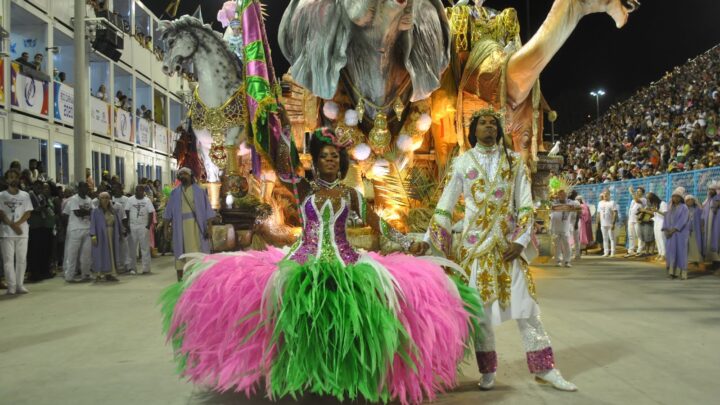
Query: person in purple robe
[695, 254]
[105, 222]
[711, 226]
[189, 213]
[677, 234]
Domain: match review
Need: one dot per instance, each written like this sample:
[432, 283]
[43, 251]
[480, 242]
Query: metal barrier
[695, 182]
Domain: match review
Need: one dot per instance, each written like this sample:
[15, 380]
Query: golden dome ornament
[399, 107]
[379, 137]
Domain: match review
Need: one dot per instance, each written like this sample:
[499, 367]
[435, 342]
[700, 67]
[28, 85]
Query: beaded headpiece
[489, 110]
[326, 135]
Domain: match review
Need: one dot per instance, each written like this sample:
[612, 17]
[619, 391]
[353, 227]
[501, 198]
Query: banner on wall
[28, 94]
[2, 81]
[173, 140]
[124, 129]
[161, 138]
[63, 103]
[99, 116]
[143, 132]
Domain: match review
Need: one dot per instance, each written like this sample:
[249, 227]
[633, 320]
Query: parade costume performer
[677, 233]
[323, 319]
[495, 245]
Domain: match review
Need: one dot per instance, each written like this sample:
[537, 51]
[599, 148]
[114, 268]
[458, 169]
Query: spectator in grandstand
[101, 93]
[24, 59]
[669, 126]
[37, 61]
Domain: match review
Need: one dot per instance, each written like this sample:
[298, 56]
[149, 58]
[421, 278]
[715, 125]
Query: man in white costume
[562, 224]
[495, 244]
[77, 242]
[607, 213]
[139, 210]
[634, 240]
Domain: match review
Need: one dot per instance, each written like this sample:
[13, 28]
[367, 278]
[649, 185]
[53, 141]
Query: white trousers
[77, 246]
[635, 244]
[659, 237]
[608, 235]
[562, 247]
[139, 236]
[14, 255]
[123, 257]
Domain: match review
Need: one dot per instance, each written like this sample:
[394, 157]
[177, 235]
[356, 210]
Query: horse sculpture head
[182, 39]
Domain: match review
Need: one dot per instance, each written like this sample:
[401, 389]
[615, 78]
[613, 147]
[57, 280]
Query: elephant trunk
[526, 64]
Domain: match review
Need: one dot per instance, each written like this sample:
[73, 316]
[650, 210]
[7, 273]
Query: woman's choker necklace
[486, 149]
[327, 184]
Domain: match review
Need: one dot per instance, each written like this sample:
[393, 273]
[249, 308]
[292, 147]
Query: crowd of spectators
[669, 126]
[48, 227]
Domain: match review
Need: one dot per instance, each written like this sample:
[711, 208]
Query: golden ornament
[399, 107]
[344, 134]
[360, 108]
[379, 137]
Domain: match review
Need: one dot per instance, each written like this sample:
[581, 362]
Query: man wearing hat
[677, 235]
[189, 213]
[711, 225]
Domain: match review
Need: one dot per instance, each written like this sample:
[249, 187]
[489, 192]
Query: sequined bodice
[324, 233]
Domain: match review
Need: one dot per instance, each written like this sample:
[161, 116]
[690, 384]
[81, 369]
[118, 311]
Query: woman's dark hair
[318, 140]
[653, 199]
[500, 139]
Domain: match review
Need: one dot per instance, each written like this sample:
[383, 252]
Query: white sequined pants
[535, 340]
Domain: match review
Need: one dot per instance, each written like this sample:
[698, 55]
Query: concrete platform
[621, 331]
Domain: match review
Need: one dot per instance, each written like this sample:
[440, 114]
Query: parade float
[398, 79]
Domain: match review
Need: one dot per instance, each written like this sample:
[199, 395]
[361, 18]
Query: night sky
[660, 35]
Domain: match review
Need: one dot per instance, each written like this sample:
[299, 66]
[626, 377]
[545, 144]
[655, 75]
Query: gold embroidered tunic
[498, 211]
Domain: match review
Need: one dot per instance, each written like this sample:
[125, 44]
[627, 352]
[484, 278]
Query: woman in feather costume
[323, 318]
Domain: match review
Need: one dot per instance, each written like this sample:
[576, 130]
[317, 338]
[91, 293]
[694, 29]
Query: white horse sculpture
[218, 102]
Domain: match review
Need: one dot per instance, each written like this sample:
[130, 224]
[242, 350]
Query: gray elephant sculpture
[381, 49]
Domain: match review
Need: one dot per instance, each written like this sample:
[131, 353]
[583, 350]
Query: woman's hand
[418, 248]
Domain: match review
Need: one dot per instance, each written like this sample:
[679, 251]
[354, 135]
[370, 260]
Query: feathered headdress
[557, 184]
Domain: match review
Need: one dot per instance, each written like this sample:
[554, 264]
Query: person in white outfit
[607, 217]
[139, 210]
[635, 243]
[15, 209]
[123, 258]
[77, 240]
[562, 227]
[659, 209]
[495, 246]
